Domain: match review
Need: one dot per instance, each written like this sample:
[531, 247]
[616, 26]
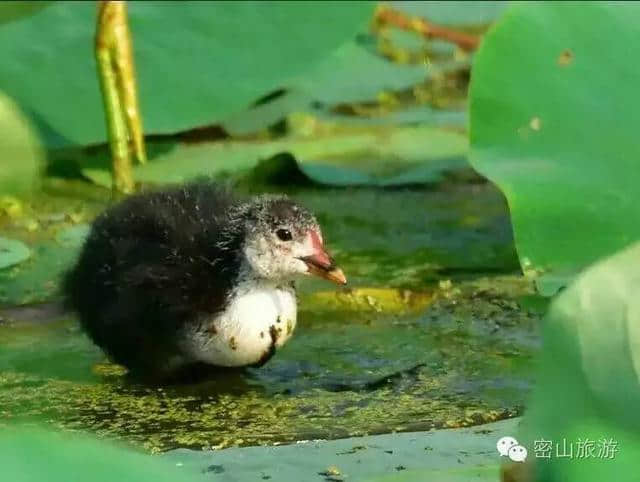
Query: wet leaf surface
[453, 455]
[464, 361]
[423, 338]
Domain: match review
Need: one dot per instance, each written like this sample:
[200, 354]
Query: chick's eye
[284, 234]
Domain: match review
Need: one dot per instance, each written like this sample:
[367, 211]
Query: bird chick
[194, 275]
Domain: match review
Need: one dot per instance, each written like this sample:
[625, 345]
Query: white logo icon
[509, 447]
[518, 453]
[504, 444]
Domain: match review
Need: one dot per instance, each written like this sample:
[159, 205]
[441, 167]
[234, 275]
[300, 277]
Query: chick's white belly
[256, 321]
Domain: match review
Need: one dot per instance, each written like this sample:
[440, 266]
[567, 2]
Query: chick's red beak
[321, 264]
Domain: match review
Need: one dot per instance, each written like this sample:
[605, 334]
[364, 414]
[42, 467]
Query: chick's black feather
[150, 265]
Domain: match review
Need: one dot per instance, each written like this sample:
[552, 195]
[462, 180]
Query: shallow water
[454, 347]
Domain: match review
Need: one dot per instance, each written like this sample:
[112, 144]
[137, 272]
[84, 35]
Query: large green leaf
[197, 62]
[419, 115]
[554, 121]
[357, 72]
[353, 73]
[21, 155]
[589, 376]
[29, 455]
[379, 157]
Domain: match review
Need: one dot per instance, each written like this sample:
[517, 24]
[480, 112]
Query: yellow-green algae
[473, 342]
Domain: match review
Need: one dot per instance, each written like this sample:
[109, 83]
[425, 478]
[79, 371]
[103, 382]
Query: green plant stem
[117, 81]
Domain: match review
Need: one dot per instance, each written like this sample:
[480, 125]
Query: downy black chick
[194, 275]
